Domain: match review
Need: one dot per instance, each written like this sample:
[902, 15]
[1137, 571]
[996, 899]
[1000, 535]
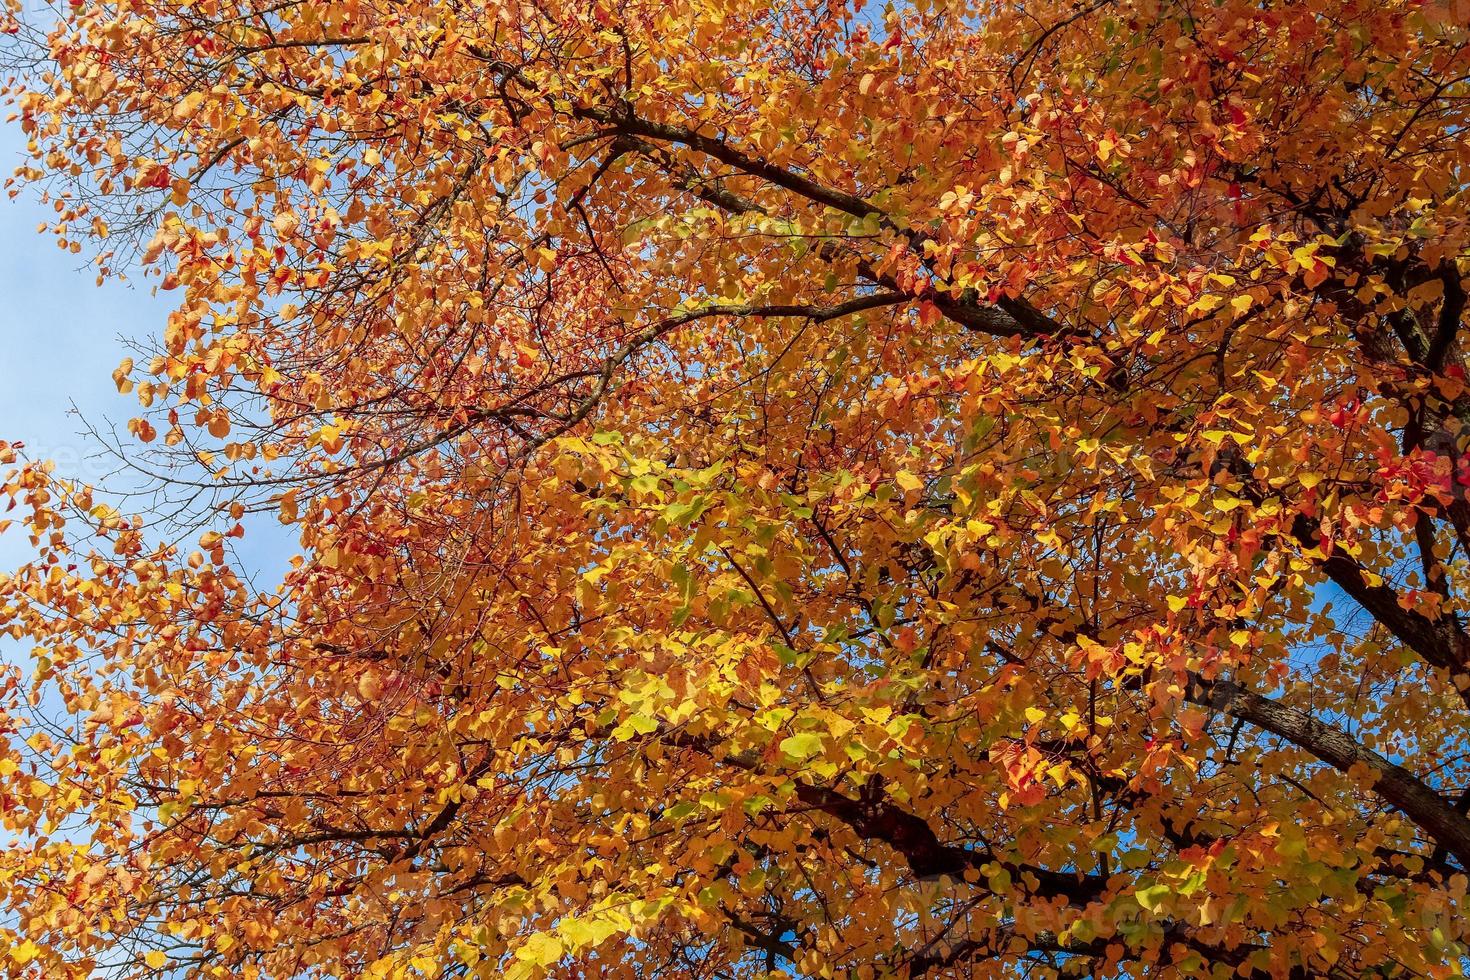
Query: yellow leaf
[330, 437]
[540, 949]
[188, 105]
[370, 685]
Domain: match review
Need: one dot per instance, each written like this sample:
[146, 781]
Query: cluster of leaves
[807, 489]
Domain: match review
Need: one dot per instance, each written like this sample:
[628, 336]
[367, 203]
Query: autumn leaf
[768, 490]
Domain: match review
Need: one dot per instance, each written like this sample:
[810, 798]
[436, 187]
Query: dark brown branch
[1431, 812]
[1008, 317]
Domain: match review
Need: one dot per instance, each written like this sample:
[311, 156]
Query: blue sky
[60, 340]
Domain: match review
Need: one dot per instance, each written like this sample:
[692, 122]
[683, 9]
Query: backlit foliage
[783, 488]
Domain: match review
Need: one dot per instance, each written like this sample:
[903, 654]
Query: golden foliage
[970, 490]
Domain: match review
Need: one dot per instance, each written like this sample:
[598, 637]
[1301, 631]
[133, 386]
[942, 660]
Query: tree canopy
[801, 488]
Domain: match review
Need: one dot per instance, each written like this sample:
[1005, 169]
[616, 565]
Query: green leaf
[801, 747]
[1153, 896]
[680, 810]
[1193, 883]
[684, 514]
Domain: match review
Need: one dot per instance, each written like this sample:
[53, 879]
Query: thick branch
[1429, 811]
[1440, 642]
[1008, 317]
[928, 857]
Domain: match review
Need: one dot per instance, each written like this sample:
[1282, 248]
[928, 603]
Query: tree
[946, 490]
